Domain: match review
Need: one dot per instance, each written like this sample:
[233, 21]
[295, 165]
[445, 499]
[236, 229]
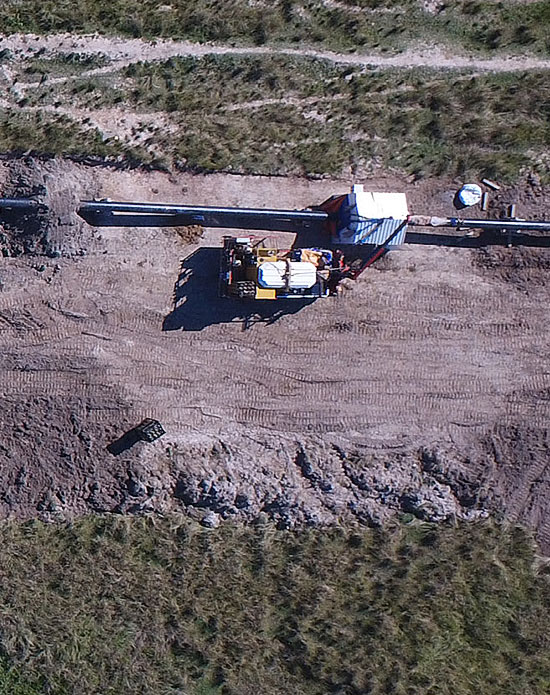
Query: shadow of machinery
[197, 303]
[484, 238]
[148, 430]
[124, 443]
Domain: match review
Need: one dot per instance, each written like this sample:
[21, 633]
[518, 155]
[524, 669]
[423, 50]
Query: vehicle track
[123, 52]
[440, 357]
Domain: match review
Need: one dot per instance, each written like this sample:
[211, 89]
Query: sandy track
[126, 51]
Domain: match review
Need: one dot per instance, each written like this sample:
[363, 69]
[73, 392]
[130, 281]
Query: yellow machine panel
[266, 255]
[262, 293]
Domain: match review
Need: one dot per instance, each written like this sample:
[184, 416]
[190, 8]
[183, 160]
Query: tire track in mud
[321, 394]
[32, 332]
[444, 330]
[531, 401]
[379, 409]
[522, 474]
[331, 398]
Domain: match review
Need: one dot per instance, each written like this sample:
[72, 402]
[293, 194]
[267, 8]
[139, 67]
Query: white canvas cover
[469, 194]
[272, 275]
[371, 218]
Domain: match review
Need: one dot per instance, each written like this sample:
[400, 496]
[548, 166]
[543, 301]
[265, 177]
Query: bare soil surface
[424, 388]
[126, 51]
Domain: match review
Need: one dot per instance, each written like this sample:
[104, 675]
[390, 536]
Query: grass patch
[148, 605]
[281, 115]
[39, 67]
[13, 683]
[347, 25]
[50, 134]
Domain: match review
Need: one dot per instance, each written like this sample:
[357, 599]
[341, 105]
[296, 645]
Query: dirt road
[123, 52]
[422, 389]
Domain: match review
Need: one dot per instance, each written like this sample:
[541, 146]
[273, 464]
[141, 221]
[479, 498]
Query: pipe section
[238, 218]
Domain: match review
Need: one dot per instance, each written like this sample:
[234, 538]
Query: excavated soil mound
[54, 231]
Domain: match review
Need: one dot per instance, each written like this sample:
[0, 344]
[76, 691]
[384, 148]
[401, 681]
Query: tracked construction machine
[377, 221]
[249, 270]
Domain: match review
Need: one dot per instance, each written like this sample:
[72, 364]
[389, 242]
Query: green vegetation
[280, 115]
[70, 64]
[344, 25]
[52, 134]
[12, 683]
[156, 606]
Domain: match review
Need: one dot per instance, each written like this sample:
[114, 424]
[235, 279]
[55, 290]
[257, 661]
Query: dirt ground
[423, 389]
[124, 51]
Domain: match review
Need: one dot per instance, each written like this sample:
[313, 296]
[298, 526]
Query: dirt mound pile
[304, 482]
[320, 482]
[56, 229]
[522, 268]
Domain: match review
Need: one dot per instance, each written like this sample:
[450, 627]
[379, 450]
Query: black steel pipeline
[508, 225]
[169, 209]
[238, 218]
[20, 204]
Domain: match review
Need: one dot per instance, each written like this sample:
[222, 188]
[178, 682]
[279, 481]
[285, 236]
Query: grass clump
[13, 683]
[40, 67]
[43, 133]
[373, 24]
[125, 605]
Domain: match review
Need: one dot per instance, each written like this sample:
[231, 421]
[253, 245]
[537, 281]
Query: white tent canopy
[371, 218]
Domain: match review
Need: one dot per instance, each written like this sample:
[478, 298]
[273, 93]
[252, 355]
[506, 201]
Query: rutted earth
[423, 389]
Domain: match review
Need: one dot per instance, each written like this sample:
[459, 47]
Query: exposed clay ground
[424, 388]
